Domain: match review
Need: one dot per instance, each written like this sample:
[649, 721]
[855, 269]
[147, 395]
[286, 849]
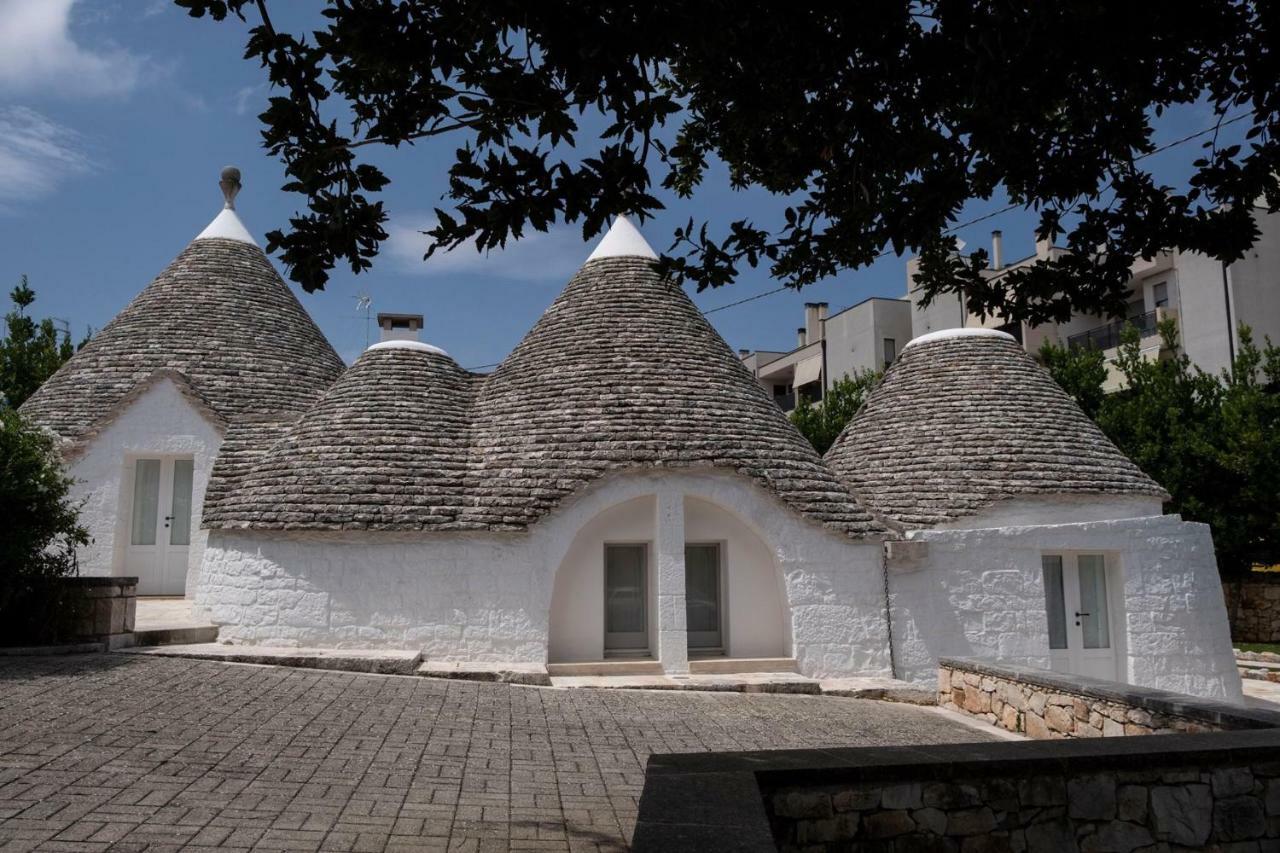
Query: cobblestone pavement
[120, 752]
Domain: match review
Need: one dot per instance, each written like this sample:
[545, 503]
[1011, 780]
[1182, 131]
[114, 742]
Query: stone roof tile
[962, 421]
[220, 317]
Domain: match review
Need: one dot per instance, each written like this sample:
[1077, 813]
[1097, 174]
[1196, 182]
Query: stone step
[509, 673]
[185, 635]
[621, 666]
[729, 666]
[1252, 673]
[751, 682]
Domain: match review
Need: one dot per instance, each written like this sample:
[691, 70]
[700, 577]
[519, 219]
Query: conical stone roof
[965, 418]
[385, 448]
[621, 372]
[219, 321]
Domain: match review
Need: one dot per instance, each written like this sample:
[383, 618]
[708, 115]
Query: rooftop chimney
[801, 337]
[399, 327]
[997, 250]
[815, 314]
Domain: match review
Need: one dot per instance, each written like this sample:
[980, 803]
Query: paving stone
[147, 752]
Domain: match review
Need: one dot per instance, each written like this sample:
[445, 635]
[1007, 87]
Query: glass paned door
[160, 525]
[1077, 603]
[702, 596]
[625, 599]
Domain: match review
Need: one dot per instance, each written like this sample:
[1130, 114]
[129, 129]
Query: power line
[993, 214]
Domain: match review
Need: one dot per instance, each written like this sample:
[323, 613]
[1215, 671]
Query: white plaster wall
[754, 622]
[577, 606]
[456, 597]
[490, 597]
[980, 593]
[159, 422]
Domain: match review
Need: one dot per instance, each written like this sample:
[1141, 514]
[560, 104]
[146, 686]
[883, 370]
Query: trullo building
[620, 488]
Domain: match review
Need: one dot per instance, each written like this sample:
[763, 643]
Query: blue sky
[117, 115]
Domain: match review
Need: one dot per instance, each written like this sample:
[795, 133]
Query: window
[890, 351]
[1160, 295]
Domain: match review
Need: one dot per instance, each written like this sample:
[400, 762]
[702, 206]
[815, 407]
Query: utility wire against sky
[969, 222]
[993, 214]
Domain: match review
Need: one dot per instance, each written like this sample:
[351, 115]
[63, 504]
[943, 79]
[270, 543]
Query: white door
[160, 525]
[1077, 590]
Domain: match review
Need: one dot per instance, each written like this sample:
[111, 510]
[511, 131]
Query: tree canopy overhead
[874, 123]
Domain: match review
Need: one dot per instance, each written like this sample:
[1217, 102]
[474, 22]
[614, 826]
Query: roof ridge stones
[620, 372]
[220, 316]
[960, 422]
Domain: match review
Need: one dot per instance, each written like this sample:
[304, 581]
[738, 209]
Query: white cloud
[557, 253]
[38, 54]
[246, 94]
[36, 154]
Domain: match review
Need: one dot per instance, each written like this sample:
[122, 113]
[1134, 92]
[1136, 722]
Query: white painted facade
[792, 588]
[161, 422]
[979, 591]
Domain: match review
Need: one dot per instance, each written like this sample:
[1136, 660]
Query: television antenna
[364, 302]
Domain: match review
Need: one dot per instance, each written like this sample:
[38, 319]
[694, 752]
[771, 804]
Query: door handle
[1078, 615]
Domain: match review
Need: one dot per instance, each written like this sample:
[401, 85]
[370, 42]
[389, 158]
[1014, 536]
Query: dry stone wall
[1254, 608]
[1112, 810]
[1048, 705]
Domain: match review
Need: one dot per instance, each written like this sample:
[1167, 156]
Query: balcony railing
[786, 402]
[1108, 336]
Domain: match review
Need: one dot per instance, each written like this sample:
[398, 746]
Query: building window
[890, 351]
[1160, 295]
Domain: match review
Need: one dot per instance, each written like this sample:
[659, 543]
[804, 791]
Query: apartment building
[866, 336]
[1207, 298]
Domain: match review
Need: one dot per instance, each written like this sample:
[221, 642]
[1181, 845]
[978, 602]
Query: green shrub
[39, 532]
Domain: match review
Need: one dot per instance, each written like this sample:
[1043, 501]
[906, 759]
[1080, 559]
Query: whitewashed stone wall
[488, 597]
[979, 593]
[159, 422]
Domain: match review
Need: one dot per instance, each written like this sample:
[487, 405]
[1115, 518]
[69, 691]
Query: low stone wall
[107, 609]
[1253, 606]
[1048, 705]
[1208, 791]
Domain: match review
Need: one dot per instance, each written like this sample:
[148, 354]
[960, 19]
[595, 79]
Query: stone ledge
[386, 662]
[1209, 711]
[534, 674]
[96, 580]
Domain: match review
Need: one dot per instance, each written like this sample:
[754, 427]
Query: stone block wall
[107, 607]
[1050, 705]
[1212, 791]
[1062, 810]
[1253, 606]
